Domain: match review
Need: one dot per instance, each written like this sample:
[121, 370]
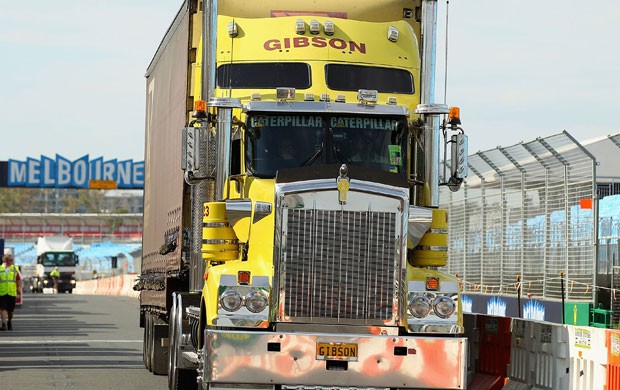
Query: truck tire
[178, 379]
[147, 341]
[173, 340]
[144, 354]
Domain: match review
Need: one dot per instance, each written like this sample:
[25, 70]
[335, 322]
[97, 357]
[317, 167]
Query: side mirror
[190, 148]
[458, 161]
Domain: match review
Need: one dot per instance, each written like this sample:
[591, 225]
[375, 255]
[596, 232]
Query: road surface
[70, 341]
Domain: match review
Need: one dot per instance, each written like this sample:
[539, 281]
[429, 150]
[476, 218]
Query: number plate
[336, 351]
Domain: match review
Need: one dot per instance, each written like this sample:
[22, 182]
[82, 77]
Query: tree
[91, 201]
[19, 200]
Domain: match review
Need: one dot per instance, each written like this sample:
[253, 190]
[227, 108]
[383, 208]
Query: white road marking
[66, 341]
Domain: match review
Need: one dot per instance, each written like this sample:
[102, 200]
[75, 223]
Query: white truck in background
[52, 252]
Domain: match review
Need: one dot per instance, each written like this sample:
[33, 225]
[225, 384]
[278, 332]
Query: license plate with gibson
[336, 351]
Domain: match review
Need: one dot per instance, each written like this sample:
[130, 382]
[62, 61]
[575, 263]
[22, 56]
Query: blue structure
[95, 257]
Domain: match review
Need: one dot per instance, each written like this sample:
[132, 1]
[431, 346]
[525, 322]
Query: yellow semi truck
[292, 237]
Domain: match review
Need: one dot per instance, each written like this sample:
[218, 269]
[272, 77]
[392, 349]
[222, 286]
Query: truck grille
[340, 264]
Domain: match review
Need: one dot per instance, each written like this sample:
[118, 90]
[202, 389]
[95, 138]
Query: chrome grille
[340, 264]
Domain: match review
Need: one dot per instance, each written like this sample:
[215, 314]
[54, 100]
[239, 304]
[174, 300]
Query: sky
[72, 72]
[520, 72]
[72, 76]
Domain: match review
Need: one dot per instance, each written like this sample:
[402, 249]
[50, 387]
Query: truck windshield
[288, 141]
[264, 75]
[59, 259]
[345, 77]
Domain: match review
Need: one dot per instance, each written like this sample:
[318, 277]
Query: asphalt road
[70, 341]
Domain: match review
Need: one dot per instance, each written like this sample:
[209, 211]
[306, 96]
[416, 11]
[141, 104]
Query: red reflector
[243, 277]
[585, 203]
[432, 283]
[411, 351]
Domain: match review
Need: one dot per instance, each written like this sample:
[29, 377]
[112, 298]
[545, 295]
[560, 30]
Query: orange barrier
[121, 285]
[486, 382]
[494, 347]
[612, 342]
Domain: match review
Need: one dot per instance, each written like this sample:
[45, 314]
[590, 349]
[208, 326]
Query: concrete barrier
[518, 369]
[539, 356]
[588, 358]
[121, 285]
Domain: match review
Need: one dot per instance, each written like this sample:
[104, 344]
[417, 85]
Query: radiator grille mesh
[340, 264]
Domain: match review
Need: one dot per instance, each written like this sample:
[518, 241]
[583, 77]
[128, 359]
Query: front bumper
[291, 359]
[63, 284]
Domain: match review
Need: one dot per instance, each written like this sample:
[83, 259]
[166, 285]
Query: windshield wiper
[313, 157]
[340, 157]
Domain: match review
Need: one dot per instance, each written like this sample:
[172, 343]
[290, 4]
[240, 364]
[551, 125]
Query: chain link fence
[526, 211]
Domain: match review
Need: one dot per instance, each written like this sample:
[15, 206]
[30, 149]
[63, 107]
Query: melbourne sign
[81, 173]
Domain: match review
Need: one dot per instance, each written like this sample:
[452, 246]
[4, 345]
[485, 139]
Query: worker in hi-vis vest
[10, 288]
[55, 275]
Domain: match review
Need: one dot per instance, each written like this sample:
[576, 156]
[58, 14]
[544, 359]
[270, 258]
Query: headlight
[72, 281]
[45, 282]
[230, 300]
[419, 307]
[255, 301]
[444, 307]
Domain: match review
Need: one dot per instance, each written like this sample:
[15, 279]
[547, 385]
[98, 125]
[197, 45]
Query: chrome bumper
[291, 359]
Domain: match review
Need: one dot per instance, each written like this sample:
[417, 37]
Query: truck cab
[302, 242]
[55, 252]
[66, 263]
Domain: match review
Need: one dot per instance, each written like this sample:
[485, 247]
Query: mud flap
[159, 353]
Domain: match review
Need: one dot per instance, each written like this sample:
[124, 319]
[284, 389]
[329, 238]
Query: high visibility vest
[8, 280]
[55, 273]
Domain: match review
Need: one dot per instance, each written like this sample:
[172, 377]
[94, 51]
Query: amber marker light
[454, 116]
[200, 109]
[432, 283]
[243, 277]
[200, 106]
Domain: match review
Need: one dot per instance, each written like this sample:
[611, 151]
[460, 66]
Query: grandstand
[85, 228]
[97, 239]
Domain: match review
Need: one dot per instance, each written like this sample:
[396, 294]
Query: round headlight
[444, 307]
[230, 300]
[255, 301]
[419, 307]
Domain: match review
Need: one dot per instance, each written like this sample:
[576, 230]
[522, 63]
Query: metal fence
[520, 214]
